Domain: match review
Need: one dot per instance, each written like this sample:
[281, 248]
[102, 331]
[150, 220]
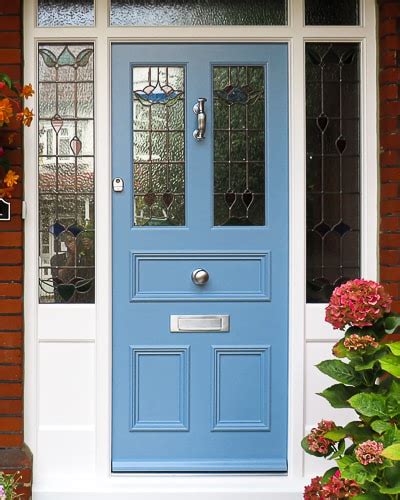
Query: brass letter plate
[199, 323]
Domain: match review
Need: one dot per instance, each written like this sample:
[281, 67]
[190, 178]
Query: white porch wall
[68, 347]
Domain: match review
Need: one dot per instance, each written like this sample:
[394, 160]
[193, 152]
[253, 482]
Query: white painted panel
[317, 408]
[67, 383]
[316, 326]
[64, 452]
[66, 322]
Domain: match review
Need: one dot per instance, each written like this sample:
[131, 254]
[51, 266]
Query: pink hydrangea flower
[357, 303]
[369, 452]
[335, 488]
[356, 342]
[316, 441]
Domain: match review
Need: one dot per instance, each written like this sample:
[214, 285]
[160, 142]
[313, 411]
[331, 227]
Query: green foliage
[368, 382]
[9, 483]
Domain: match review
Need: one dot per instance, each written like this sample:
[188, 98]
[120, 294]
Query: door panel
[203, 397]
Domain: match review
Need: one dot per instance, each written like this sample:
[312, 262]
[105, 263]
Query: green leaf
[380, 426]
[358, 431]
[395, 348]
[339, 452]
[370, 496]
[328, 474]
[336, 434]
[338, 395]
[359, 473]
[339, 350]
[342, 372]
[346, 461]
[392, 452]
[391, 436]
[392, 322]
[392, 478]
[6, 79]
[391, 364]
[369, 404]
[392, 406]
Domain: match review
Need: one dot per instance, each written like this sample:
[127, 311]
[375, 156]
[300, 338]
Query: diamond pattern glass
[197, 12]
[66, 173]
[159, 145]
[65, 13]
[333, 167]
[239, 143]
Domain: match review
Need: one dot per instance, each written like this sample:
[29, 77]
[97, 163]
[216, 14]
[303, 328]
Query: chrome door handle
[200, 276]
[199, 110]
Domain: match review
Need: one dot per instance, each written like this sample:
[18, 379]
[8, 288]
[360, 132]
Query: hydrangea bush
[366, 451]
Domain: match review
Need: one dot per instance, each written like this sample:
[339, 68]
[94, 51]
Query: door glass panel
[239, 145]
[334, 12]
[159, 145]
[197, 12]
[65, 13]
[333, 167]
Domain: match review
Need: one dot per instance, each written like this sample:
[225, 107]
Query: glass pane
[239, 145]
[334, 12]
[333, 167]
[65, 13]
[66, 173]
[159, 145]
[197, 12]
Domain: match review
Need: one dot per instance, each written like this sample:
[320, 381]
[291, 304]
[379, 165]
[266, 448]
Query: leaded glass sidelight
[197, 12]
[66, 173]
[65, 13]
[159, 145]
[239, 145]
[333, 167]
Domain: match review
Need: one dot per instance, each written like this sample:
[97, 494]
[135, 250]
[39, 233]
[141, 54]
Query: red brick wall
[389, 76]
[11, 275]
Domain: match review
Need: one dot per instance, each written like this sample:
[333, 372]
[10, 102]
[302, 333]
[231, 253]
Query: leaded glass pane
[159, 145]
[65, 13]
[239, 145]
[334, 12]
[333, 167]
[197, 12]
[66, 173]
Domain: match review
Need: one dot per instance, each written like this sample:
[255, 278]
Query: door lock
[118, 184]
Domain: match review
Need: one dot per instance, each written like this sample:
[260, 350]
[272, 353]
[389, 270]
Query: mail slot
[199, 323]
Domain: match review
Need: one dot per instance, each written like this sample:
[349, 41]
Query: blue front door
[200, 257]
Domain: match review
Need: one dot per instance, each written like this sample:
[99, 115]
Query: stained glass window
[66, 173]
[159, 145]
[333, 167]
[65, 13]
[332, 12]
[197, 12]
[239, 145]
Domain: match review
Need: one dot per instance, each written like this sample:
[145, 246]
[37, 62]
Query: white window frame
[50, 325]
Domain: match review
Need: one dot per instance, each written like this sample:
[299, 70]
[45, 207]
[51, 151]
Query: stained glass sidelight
[65, 13]
[66, 173]
[159, 145]
[197, 12]
[334, 12]
[333, 166]
[239, 145]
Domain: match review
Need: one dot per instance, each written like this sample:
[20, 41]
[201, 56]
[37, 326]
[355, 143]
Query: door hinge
[23, 210]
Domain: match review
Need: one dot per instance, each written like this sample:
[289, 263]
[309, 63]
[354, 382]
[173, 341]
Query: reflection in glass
[159, 146]
[197, 12]
[333, 167]
[65, 13]
[239, 145]
[66, 173]
[332, 13]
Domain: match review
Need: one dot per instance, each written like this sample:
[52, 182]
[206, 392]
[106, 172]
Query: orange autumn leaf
[25, 116]
[6, 111]
[11, 178]
[6, 192]
[27, 91]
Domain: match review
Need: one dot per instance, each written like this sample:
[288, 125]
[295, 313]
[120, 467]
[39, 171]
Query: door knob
[200, 276]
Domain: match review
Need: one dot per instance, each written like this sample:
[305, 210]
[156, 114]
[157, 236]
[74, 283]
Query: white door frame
[90, 436]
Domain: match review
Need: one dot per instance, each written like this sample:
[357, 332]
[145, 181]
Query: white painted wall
[68, 347]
